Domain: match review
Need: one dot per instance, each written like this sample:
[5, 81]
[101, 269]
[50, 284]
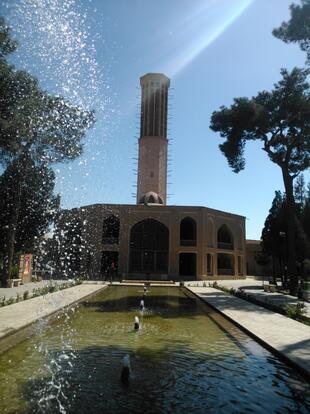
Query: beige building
[152, 239]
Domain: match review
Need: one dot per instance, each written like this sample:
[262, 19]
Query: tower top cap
[154, 77]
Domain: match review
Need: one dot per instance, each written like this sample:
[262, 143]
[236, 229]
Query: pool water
[185, 358]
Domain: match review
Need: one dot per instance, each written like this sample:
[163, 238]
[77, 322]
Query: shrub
[26, 295]
[295, 311]
[10, 301]
[14, 273]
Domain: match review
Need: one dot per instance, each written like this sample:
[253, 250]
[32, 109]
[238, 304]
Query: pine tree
[36, 126]
[280, 120]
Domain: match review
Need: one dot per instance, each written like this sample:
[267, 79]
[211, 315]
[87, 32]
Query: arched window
[149, 247]
[188, 234]
[110, 230]
[225, 238]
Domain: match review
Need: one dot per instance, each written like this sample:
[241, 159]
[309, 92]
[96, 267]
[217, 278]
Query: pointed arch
[149, 247]
[225, 238]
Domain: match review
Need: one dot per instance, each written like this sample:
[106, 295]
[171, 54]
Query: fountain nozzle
[137, 323]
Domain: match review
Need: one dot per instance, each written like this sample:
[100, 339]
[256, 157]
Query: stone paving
[288, 337]
[12, 292]
[255, 288]
[22, 314]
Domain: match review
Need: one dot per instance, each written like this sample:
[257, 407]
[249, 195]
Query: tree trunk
[291, 233]
[11, 234]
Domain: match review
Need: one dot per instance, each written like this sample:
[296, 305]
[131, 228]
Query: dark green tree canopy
[297, 29]
[36, 129]
[7, 44]
[47, 126]
[39, 204]
[280, 119]
[273, 242]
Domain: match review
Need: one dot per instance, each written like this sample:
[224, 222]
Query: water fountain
[73, 365]
[137, 323]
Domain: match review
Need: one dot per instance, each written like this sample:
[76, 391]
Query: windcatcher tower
[153, 142]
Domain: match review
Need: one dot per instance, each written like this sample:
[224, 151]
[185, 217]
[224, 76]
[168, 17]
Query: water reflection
[192, 361]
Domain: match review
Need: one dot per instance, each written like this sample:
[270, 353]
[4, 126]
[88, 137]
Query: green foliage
[36, 129]
[300, 193]
[295, 311]
[38, 203]
[14, 272]
[39, 292]
[275, 228]
[297, 29]
[47, 127]
[280, 119]
[7, 45]
[274, 234]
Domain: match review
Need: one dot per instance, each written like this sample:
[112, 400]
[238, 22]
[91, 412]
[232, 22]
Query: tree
[306, 213]
[280, 120]
[7, 44]
[274, 226]
[273, 233]
[38, 208]
[299, 194]
[274, 237]
[297, 29]
[34, 125]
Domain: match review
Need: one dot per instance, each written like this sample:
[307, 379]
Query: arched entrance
[225, 238]
[149, 247]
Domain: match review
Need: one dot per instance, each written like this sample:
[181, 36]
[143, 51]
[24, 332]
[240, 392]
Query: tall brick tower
[153, 142]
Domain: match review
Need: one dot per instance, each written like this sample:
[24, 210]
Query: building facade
[152, 240]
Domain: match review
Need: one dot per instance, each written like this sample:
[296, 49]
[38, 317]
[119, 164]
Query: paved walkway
[284, 335]
[12, 292]
[255, 288]
[20, 315]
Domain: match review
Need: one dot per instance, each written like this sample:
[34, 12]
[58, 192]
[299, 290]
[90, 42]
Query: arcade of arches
[165, 242]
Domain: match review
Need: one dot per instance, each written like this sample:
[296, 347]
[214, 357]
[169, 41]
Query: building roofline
[156, 206]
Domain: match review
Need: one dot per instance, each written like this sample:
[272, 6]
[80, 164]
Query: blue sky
[94, 52]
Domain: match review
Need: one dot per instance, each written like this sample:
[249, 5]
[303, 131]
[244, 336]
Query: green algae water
[185, 358]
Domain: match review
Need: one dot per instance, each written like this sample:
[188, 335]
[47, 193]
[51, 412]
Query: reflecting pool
[185, 358]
